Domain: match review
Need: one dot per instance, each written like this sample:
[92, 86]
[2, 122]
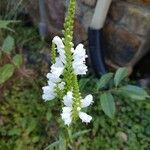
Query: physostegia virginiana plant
[62, 78]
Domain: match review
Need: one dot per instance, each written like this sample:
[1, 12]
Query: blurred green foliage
[128, 130]
[27, 122]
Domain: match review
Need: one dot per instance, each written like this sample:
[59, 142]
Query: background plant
[9, 61]
[113, 86]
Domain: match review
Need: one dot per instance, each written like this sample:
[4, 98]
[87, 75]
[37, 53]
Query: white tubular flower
[68, 99]
[79, 68]
[87, 101]
[53, 77]
[79, 56]
[54, 80]
[58, 41]
[80, 53]
[57, 68]
[60, 48]
[66, 115]
[48, 97]
[85, 117]
[48, 92]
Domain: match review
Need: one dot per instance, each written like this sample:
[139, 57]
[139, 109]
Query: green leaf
[17, 60]
[83, 82]
[35, 139]
[80, 133]
[133, 92]
[121, 73]
[8, 44]
[14, 131]
[4, 24]
[6, 72]
[62, 143]
[48, 115]
[53, 145]
[108, 104]
[32, 124]
[104, 80]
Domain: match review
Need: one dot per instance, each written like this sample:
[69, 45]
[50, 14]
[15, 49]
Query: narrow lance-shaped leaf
[6, 72]
[8, 44]
[53, 145]
[133, 92]
[108, 104]
[104, 80]
[121, 73]
[4, 24]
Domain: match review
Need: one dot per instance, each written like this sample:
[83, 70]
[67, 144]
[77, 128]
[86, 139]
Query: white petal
[58, 63]
[53, 78]
[79, 68]
[87, 101]
[85, 117]
[57, 72]
[48, 89]
[57, 40]
[57, 68]
[79, 48]
[68, 99]
[67, 119]
[61, 85]
[66, 115]
[47, 97]
[67, 109]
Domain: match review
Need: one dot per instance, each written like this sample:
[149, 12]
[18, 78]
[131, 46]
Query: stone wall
[126, 31]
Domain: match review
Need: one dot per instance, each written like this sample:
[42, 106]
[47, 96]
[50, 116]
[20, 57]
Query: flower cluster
[62, 79]
[54, 80]
[79, 56]
[68, 108]
[72, 101]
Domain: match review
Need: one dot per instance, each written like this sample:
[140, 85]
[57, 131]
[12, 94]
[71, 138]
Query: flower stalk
[62, 78]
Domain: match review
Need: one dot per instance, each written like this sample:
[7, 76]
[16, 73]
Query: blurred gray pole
[42, 23]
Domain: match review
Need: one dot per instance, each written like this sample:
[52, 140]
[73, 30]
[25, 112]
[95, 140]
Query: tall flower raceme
[63, 74]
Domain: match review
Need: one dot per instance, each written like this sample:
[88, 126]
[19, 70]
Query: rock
[80, 33]
[55, 13]
[120, 44]
[134, 17]
[124, 32]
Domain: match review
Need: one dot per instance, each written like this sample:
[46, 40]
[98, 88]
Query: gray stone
[124, 32]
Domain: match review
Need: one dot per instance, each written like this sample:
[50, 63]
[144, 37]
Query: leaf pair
[120, 74]
[127, 91]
